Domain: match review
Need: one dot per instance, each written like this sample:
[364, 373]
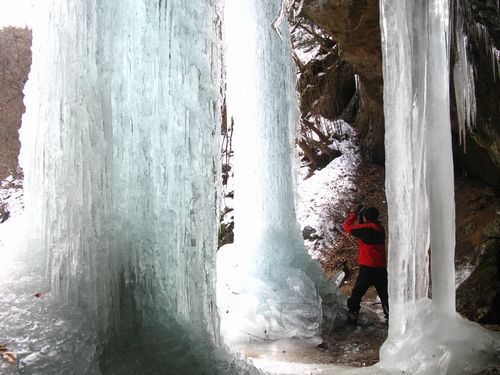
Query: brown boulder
[478, 297]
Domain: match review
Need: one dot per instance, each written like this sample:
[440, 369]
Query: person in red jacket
[371, 258]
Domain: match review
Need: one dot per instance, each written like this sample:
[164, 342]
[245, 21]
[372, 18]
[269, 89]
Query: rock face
[355, 27]
[478, 297]
[478, 244]
[492, 230]
[327, 89]
[326, 86]
[15, 62]
[481, 157]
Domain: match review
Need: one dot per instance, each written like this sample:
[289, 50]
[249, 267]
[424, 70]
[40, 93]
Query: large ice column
[66, 157]
[405, 160]
[419, 159]
[439, 159]
[424, 336]
[120, 155]
[268, 281]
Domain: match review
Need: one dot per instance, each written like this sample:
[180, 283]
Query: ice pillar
[419, 157]
[425, 337]
[439, 158]
[277, 278]
[120, 154]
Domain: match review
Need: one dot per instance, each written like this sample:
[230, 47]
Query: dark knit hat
[371, 214]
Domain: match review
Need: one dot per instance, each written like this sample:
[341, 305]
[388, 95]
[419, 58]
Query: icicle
[481, 34]
[495, 62]
[420, 197]
[285, 7]
[463, 78]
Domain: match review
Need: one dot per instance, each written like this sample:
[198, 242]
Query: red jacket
[371, 241]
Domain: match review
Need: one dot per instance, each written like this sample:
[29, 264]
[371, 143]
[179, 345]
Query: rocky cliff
[354, 25]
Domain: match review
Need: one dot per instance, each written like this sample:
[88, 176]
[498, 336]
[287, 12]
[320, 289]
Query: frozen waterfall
[121, 158]
[120, 150]
[424, 336]
[268, 286]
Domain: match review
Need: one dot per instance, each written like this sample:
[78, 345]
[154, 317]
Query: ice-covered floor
[299, 356]
[35, 329]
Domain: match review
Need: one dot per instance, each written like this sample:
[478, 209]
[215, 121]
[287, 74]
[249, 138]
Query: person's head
[371, 214]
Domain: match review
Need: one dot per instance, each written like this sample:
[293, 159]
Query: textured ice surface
[120, 149]
[438, 344]
[120, 154]
[267, 282]
[262, 307]
[424, 337]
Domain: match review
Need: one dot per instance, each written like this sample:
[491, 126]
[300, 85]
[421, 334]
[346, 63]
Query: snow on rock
[318, 195]
[11, 195]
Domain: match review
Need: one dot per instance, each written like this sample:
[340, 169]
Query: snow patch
[317, 194]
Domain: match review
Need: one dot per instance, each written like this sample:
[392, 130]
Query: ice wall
[424, 337]
[268, 286]
[121, 160]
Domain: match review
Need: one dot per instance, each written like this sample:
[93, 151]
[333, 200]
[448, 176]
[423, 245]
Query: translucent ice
[463, 78]
[268, 286]
[424, 337]
[121, 159]
[120, 151]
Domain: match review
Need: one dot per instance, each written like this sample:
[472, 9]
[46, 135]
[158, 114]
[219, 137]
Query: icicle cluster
[463, 78]
[481, 34]
[466, 32]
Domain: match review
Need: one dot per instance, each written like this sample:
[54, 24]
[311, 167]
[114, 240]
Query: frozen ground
[33, 327]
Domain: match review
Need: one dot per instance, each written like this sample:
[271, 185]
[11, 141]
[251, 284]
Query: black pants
[369, 276]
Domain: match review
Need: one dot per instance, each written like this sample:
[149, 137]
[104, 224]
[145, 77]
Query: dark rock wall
[326, 86]
[355, 27]
[354, 24]
[481, 155]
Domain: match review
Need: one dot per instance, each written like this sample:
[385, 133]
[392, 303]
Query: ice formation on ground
[424, 337]
[268, 285]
